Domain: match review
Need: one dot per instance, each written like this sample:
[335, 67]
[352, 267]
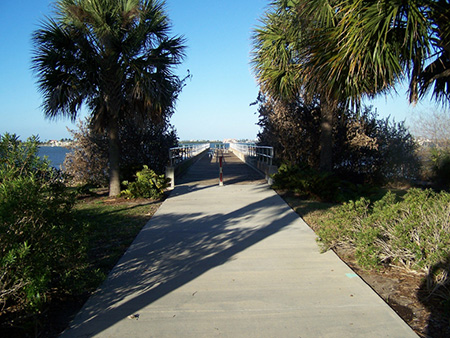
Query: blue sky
[213, 105]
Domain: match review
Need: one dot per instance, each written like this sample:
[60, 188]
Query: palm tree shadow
[434, 293]
[172, 250]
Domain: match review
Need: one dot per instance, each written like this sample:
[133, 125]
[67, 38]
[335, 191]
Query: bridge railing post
[221, 170]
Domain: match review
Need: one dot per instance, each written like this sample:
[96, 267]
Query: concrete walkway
[205, 172]
[232, 261]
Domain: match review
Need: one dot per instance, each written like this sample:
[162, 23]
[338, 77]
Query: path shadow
[184, 189]
[434, 293]
[172, 250]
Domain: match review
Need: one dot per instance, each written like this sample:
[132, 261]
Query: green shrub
[141, 141]
[366, 149]
[148, 184]
[388, 155]
[308, 182]
[441, 166]
[336, 231]
[36, 233]
[413, 231]
[18, 159]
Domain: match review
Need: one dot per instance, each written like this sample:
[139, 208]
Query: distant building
[233, 140]
[56, 143]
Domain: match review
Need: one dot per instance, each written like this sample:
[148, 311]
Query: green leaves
[306, 181]
[276, 56]
[35, 223]
[148, 184]
[114, 56]
[19, 158]
[349, 49]
[412, 232]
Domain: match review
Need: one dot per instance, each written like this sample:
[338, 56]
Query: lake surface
[56, 155]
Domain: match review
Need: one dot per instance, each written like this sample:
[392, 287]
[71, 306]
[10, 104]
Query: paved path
[232, 261]
[205, 172]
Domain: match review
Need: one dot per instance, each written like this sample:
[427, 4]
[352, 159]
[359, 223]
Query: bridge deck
[205, 172]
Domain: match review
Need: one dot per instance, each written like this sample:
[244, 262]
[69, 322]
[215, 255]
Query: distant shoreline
[70, 143]
[54, 143]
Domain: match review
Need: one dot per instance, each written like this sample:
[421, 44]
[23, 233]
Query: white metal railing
[244, 148]
[265, 154]
[219, 149]
[262, 154]
[184, 152]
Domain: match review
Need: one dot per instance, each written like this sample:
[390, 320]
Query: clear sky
[213, 105]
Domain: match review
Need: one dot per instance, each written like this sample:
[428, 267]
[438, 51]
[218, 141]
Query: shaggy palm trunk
[326, 136]
[114, 158]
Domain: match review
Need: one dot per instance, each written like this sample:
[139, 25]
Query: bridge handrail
[263, 154]
[185, 152]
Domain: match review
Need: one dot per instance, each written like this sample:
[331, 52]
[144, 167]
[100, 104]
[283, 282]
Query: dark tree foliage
[142, 142]
[293, 130]
[115, 57]
[374, 150]
[366, 149]
[147, 145]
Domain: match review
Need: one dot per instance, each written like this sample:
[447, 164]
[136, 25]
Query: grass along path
[112, 225]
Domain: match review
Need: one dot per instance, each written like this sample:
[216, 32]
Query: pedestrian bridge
[241, 164]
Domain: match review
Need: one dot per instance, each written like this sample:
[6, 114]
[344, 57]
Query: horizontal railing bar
[182, 153]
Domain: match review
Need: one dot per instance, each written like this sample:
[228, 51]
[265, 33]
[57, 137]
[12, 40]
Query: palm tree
[384, 41]
[285, 48]
[116, 57]
[344, 50]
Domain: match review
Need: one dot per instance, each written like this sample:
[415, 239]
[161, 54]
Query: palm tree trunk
[326, 136]
[114, 157]
[112, 89]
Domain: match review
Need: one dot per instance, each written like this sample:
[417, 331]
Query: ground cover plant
[412, 231]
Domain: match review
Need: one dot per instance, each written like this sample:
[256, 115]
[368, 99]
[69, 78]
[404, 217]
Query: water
[56, 155]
